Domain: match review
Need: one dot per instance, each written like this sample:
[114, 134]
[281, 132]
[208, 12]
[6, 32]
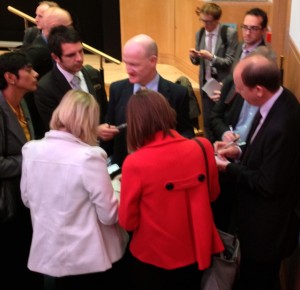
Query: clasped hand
[223, 152]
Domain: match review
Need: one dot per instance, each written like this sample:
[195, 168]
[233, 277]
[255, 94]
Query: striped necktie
[75, 82]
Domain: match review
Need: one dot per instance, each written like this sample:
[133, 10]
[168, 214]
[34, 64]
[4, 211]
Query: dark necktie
[254, 125]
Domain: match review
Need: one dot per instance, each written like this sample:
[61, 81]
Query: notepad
[210, 86]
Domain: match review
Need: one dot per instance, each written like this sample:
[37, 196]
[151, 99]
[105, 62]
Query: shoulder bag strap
[205, 157]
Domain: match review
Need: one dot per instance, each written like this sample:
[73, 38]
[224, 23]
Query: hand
[216, 96]
[206, 54]
[231, 152]
[107, 132]
[229, 136]
[221, 163]
[193, 52]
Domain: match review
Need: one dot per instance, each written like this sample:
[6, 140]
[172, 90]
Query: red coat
[165, 202]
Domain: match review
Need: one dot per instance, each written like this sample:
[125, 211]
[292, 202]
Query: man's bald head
[144, 42]
[259, 69]
[55, 16]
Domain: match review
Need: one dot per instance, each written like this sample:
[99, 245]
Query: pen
[231, 130]
[124, 125]
[230, 143]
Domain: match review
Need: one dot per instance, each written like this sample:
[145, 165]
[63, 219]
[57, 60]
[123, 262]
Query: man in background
[32, 32]
[215, 50]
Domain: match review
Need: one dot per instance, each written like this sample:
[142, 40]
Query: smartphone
[122, 126]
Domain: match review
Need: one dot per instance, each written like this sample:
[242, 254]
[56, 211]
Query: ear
[260, 90]
[10, 78]
[153, 59]
[55, 57]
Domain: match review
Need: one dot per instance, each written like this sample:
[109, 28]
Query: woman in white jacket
[65, 183]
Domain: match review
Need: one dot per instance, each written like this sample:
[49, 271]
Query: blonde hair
[78, 113]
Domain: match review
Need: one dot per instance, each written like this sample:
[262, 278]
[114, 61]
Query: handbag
[224, 269]
[7, 199]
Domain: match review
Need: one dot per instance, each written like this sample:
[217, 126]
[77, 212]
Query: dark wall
[97, 21]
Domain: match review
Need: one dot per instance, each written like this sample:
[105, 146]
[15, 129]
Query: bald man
[38, 52]
[266, 176]
[32, 32]
[140, 55]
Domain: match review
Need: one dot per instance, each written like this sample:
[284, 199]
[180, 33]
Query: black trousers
[258, 275]
[148, 277]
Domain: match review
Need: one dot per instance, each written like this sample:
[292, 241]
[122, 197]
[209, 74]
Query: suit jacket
[224, 55]
[53, 86]
[39, 55]
[239, 52]
[30, 35]
[15, 234]
[227, 110]
[267, 184]
[11, 167]
[119, 95]
[172, 177]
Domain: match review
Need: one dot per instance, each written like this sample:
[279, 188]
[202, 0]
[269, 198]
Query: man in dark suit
[67, 52]
[266, 176]
[140, 57]
[40, 57]
[232, 116]
[216, 57]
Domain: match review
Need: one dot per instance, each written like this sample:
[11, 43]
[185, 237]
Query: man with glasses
[215, 50]
[254, 28]
[232, 116]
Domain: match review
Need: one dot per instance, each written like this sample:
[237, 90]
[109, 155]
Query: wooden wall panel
[155, 18]
[173, 24]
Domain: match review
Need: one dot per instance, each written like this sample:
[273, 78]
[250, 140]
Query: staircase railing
[89, 48]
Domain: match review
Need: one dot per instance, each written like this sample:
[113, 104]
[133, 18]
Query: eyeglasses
[250, 28]
[206, 21]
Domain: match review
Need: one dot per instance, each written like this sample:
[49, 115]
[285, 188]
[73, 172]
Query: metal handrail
[89, 48]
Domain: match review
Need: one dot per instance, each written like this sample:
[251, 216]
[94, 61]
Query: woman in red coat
[165, 199]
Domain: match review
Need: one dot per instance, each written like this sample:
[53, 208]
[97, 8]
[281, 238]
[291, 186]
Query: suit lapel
[88, 83]
[163, 88]
[61, 81]
[12, 122]
[28, 118]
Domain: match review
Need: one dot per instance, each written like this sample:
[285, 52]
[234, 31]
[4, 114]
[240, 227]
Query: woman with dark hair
[16, 79]
[165, 198]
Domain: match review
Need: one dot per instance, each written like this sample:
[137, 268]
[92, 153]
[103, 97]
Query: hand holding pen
[230, 135]
[224, 150]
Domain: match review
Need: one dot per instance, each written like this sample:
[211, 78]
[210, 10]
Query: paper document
[210, 86]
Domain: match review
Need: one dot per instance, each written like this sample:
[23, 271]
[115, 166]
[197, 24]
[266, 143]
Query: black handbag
[7, 199]
[224, 269]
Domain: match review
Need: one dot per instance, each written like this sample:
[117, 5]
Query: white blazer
[74, 211]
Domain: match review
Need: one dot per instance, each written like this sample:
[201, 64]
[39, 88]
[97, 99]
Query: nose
[79, 56]
[35, 74]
